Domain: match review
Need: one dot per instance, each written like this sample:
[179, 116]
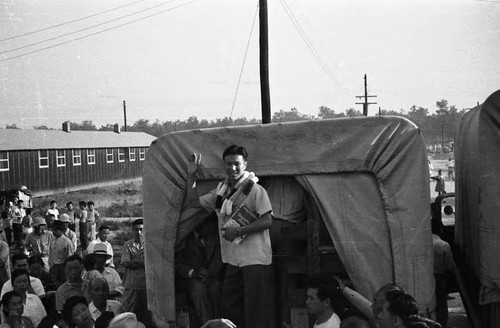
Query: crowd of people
[58, 270]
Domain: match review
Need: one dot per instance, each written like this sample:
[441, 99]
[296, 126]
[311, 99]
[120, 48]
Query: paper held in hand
[240, 218]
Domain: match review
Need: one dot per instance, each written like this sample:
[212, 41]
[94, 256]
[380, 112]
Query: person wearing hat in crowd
[126, 320]
[100, 302]
[64, 218]
[101, 255]
[75, 285]
[37, 242]
[60, 249]
[102, 237]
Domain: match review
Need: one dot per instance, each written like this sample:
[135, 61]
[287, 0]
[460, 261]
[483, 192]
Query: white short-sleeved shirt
[256, 247]
[333, 322]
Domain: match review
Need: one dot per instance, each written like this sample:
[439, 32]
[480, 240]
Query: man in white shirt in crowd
[64, 218]
[20, 261]
[99, 294]
[112, 277]
[322, 290]
[102, 237]
[37, 242]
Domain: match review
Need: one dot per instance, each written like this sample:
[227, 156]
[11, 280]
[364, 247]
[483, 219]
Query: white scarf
[227, 205]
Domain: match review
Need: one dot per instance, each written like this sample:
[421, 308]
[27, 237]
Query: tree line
[439, 127]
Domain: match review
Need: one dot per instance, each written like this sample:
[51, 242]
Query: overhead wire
[244, 60]
[310, 46]
[87, 28]
[71, 21]
[98, 32]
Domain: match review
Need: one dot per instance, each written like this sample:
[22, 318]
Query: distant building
[49, 161]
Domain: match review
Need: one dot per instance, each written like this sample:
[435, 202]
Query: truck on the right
[475, 233]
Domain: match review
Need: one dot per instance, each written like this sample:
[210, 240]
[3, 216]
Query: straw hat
[126, 320]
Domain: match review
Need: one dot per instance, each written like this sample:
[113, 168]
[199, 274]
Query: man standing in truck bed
[248, 290]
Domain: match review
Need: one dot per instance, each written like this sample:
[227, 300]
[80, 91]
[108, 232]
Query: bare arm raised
[192, 198]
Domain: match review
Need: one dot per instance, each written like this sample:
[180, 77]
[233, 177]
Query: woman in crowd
[33, 307]
[76, 313]
[13, 308]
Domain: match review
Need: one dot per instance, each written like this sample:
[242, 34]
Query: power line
[98, 32]
[309, 44]
[71, 21]
[87, 28]
[244, 60]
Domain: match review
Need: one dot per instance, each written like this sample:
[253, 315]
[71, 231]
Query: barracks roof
[19, 139]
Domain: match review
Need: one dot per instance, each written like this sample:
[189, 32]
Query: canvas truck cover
[368, 177]
[477, 227]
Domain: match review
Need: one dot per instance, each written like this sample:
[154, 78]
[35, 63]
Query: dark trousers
[248, 296]
[283, 235]
[205, 298]
[441, 299]
[17, 229]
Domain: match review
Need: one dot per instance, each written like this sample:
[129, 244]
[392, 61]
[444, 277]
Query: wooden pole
[264, 63]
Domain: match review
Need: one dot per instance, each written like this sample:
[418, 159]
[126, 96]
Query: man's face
[74, 270]
[235, 166]
[313, 303]
[53, 205]
[91, 207]
[137, 229]
[69, 207]
[21, 283]
[386, 319]
[100, 261]
[21, 264]
[58, 232]
[99, 291]
[39, 228]
[36, 270]
[20, 204]
[103, 234]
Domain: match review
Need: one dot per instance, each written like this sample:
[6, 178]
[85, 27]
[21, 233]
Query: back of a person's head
[402, 305]
[327, 286]
[417, 321]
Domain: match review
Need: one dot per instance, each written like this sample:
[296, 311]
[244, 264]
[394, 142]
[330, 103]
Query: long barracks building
[48, 161]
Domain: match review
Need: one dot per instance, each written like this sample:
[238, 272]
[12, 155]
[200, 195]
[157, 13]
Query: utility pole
[265, 96]
[125, 116]
[365, 103]
[442, 136]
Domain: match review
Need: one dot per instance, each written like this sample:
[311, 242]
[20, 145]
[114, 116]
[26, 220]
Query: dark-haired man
[248, 290]
[134, 281]
[321, 293]
[60, 249]
[20, 261]
[75, 285]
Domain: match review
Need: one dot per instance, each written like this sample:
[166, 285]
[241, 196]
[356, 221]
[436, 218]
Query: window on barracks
[142, 153]
[77, 157]
[131, 154]
[4, 161]
[109, 155]
[43, 158]
[121, 154]
[90, 156]
[60, 157]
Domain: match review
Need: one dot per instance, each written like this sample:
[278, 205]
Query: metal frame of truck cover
[477, 226]
[368, 177]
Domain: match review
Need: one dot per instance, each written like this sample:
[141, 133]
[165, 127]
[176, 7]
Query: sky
[187, 58]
